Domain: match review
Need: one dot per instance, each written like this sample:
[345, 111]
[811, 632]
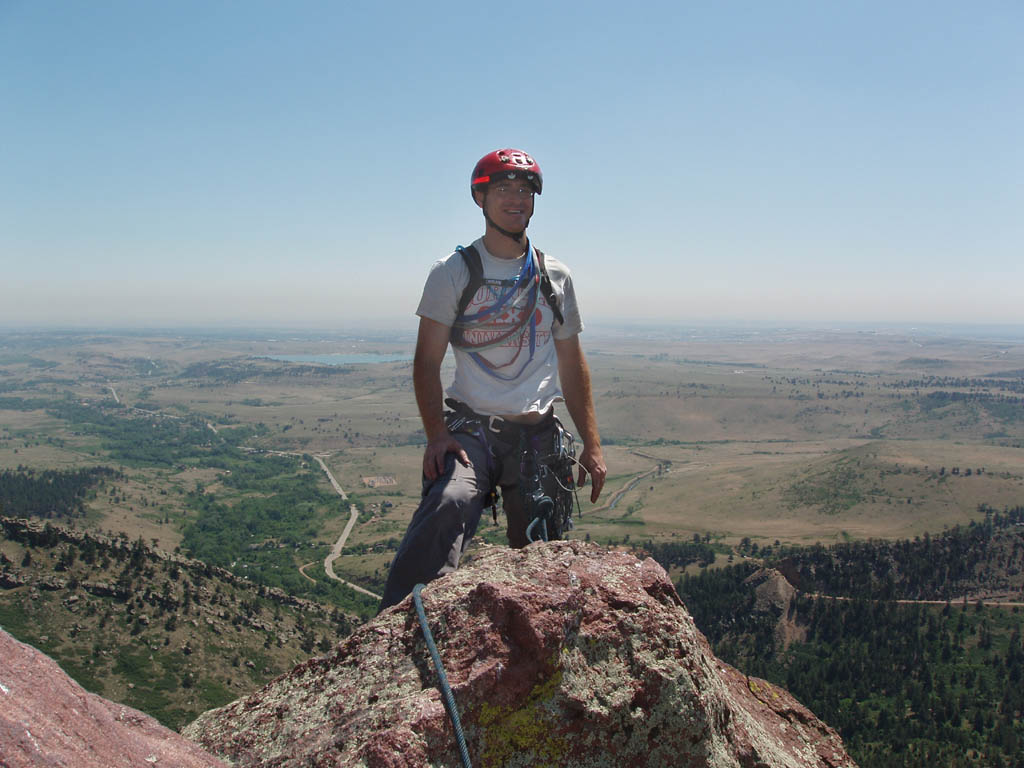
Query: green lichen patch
[526, 735]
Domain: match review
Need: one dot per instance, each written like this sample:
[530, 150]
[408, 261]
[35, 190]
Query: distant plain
[776, 435]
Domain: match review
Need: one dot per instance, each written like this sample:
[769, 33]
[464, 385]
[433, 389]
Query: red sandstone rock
[48, 721]
[561, 654]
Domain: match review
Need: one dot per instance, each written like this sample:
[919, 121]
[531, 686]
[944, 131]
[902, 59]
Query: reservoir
[345, 358]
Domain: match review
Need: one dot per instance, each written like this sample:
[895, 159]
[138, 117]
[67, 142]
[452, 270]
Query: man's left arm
[574, 375]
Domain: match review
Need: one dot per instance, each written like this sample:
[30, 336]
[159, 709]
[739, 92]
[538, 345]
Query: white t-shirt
[513, 383]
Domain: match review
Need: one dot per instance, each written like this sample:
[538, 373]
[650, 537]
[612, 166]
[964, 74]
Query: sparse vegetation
[724, 449]
[149, 629]
[832, 491]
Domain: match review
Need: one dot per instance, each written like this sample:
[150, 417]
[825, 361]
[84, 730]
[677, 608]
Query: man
[515, 337]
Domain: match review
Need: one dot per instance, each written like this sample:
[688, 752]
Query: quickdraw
[547, 458]
[546, 484]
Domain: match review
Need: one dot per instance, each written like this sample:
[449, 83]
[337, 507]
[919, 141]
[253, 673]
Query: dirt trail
[334, 483]
[953, 601]
[340, 543]
[630, 484]
[353, 511]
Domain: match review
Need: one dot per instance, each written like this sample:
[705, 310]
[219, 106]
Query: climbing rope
[449, 699]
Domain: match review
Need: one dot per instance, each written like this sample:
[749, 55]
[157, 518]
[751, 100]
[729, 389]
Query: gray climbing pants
[449, 512]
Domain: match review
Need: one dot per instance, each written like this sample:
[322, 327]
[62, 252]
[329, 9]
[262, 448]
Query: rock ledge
[561, 654]
[47, 720]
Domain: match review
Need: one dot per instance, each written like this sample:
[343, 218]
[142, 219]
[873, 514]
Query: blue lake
[345, 358]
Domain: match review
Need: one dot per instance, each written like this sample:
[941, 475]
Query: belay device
[546, 482]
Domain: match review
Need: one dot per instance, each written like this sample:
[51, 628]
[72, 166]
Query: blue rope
[528, 276]
[449, 699]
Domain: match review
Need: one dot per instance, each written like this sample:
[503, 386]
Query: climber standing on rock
[511, 317]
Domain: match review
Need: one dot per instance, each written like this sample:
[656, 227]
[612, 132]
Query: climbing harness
[517, 298]
[547, 456]
[446, 691]
[546, 482]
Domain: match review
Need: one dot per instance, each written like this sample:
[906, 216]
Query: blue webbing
[528, 275]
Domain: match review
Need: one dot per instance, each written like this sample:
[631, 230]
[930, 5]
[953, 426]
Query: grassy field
[796, 437]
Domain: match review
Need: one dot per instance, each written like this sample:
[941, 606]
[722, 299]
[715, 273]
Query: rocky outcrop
[774, 595]
[48, 721]
[561, 654]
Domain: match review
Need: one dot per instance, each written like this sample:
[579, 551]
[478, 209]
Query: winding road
[353, 511]
[334, 483]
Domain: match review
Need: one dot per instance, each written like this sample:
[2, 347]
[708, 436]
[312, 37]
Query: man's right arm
[431, 345]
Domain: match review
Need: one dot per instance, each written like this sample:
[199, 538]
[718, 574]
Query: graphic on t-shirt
[510, 326]
[502, 321]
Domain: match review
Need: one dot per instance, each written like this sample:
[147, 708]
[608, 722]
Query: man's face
[508, 203]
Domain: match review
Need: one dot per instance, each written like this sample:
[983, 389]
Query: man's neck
[503, 247]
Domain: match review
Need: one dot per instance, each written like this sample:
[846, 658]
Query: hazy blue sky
[303, 163]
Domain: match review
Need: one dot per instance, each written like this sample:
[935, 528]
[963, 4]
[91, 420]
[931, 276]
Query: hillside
[911, 649]
[980, 561]
[166, 634]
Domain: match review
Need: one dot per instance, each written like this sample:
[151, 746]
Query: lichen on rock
[559, 654]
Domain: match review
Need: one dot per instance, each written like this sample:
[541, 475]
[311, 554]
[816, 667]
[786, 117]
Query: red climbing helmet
[506, 164]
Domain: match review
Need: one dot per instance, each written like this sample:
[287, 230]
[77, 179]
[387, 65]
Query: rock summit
[560, 654]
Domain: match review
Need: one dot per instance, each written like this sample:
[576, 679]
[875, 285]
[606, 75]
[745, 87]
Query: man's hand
[574, 374]
[592, 463]
[437, 450]
[431, 345]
